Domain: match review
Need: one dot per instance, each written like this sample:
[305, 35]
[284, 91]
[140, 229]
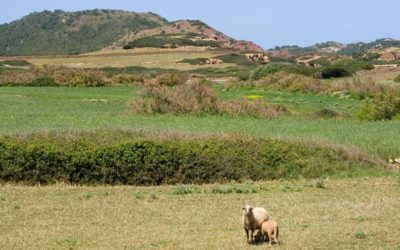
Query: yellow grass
[380, 77]
[123, 217]
[146, 57]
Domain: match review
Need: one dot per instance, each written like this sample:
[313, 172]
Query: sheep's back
[269, 226]
[261, 215]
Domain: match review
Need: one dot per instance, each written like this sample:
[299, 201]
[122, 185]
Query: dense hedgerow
[138, 160]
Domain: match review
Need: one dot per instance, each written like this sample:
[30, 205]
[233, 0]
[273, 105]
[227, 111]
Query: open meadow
[102, 154]
[32, 109]
[361, 213]
[126, 130]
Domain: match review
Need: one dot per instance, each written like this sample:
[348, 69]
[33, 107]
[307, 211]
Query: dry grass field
[146, 57]
[329, 214]
[382, 77]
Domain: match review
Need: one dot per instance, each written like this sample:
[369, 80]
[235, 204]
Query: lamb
[271, 230]
[253, 218]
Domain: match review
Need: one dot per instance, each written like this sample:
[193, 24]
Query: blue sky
[266, 22]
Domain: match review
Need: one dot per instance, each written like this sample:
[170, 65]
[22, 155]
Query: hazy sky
[266, 22]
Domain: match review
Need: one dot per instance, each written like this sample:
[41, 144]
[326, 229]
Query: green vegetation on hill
[61, 32]
[238, 59]
[170, 41]
[15, 63]
[340, 49]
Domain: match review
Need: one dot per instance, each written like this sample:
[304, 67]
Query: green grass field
[27, 110]
[336, 213]
[314, 214]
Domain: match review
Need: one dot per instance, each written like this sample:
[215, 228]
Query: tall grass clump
[197, 98]
[291, 82]
[193, 98]
[171, 79]
[382, 106]
[359, 89]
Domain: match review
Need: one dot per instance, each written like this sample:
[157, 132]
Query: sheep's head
[248, 210]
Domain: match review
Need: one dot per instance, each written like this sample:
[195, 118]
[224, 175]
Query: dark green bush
[138, 160]
[266, 70]
[15, 63]
[171, 79]
[334, 72]
[43, 81]
[353, 65]
[326, 113]
[271, 68]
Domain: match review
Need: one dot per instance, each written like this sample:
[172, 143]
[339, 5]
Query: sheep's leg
[259, 236]
[267, 239]
[247, 235]
[277, 235]
[252, 233]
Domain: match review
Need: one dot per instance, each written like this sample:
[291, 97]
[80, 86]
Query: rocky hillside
[334, 48]
[62, 32]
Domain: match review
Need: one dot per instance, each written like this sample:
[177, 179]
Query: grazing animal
[253, 218]
[270, 229]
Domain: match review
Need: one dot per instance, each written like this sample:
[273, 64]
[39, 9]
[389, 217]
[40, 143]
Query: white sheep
[270, 229]
[253, 218]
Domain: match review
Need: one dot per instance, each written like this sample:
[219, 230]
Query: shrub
[257, 108]
[197, 98]
[43, 81]
[243, 75]
[291, 82]
[184, 189]
[321, 184]
[219, 189]
[71, 77]
[138, 160]
[360, 234]
[334, 72]
[360, 89]
[382, 106]
[264, 71]
[135, 79]
[171, 79]
[353, 65]
[54, 76]
[326, 113]
[272, 68]
[397, 79]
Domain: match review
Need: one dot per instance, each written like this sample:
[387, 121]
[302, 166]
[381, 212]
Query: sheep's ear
[243, 208]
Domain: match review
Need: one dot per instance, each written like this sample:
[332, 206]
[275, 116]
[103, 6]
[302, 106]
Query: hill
[335, 48]
[59, 32]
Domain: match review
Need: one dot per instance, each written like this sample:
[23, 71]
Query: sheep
[270, 229]
[253, 218]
